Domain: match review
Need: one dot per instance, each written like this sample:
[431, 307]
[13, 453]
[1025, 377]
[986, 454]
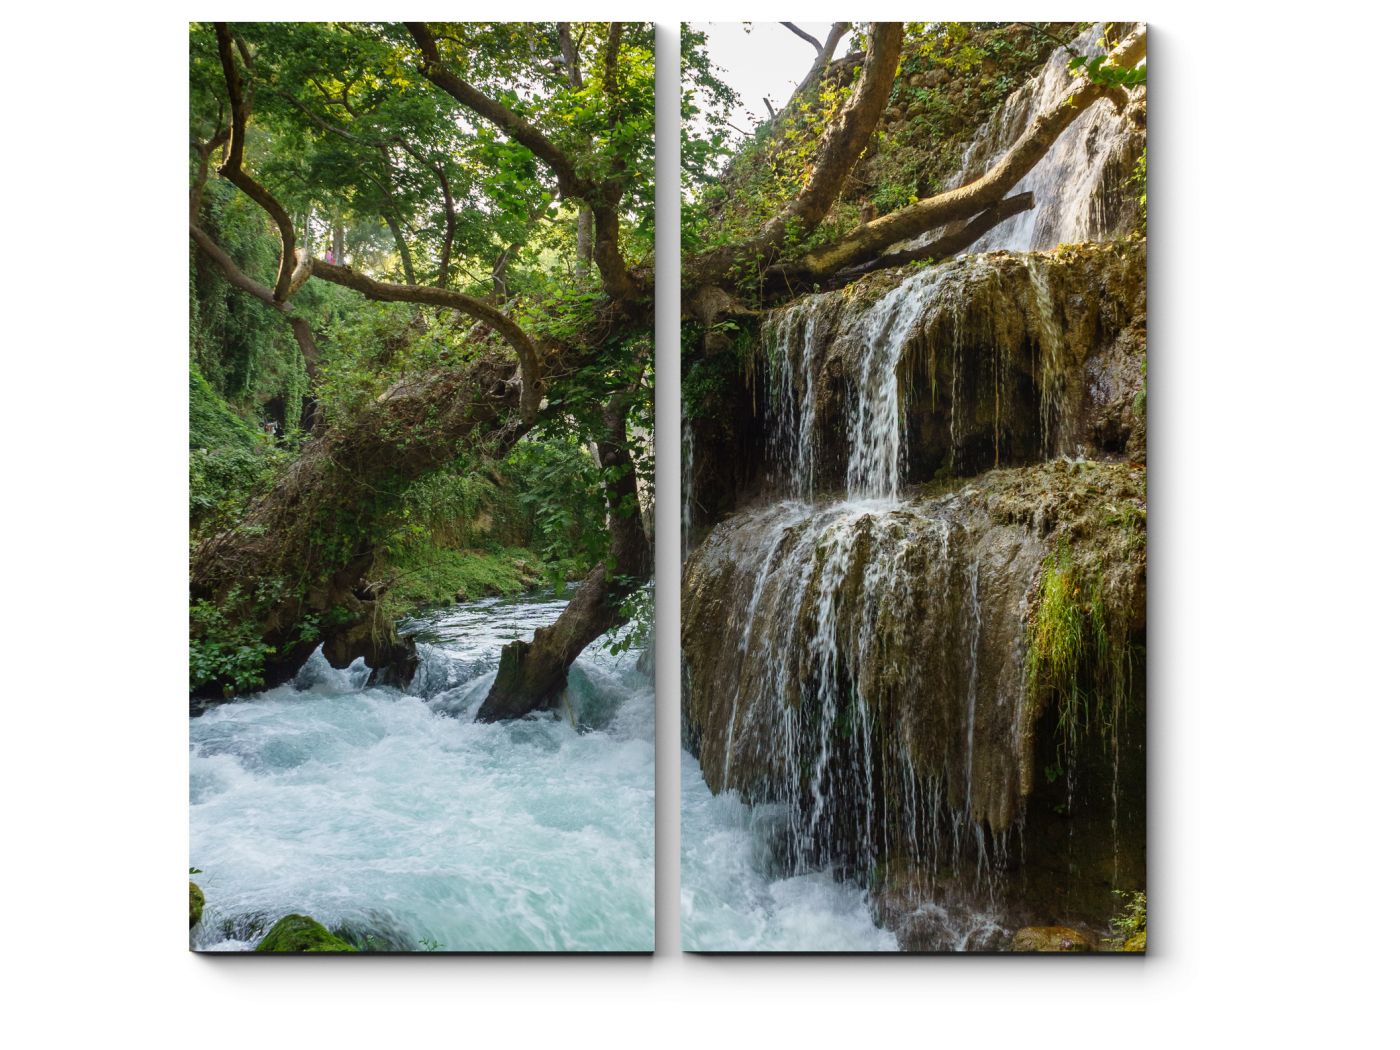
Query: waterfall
[874, 341]
[856, 646]
[1078, 183]
[827, 585]
[971, 364]
[876, 428]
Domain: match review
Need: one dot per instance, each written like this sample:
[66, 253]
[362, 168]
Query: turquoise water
[735, 896]
[393, 817]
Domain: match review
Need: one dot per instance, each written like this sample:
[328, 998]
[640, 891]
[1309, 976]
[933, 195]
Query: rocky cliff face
[995, 360]
[935, 716]
[925, 635]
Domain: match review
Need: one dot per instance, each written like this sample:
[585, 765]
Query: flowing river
[391, 816]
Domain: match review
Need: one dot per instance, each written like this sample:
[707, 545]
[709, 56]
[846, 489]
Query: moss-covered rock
[1010, 358]
[196, 904]
[300, 933]
[1050, 939]
[934, 604]
[917, 623]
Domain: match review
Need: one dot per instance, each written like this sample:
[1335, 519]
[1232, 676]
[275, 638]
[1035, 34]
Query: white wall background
[1273, 559]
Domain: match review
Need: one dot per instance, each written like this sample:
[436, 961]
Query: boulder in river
[301, 933]
[196, 904]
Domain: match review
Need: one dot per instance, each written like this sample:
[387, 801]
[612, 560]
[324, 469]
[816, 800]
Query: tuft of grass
[1075, 656]
[1057, 642]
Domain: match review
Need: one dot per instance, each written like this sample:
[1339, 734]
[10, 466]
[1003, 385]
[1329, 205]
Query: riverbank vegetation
[420, 336]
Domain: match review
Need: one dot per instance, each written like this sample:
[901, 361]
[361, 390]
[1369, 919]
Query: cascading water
[856, 649]
[1076, 181]
[391, 816]
[830, 593]
[856, 652]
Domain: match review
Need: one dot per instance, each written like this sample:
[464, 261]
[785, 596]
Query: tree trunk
[840, 147]
[533, 674]
[945, 246]
[824, 53]
[405, 259]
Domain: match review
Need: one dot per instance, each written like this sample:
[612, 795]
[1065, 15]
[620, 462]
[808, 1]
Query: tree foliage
[399, 206]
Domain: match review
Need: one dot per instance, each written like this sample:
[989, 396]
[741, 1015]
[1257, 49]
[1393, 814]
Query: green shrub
[224, 647]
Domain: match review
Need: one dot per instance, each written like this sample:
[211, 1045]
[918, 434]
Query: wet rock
[196, 904]
[1050, 939]
[1005, 358]
[867, 666]
[301, 933]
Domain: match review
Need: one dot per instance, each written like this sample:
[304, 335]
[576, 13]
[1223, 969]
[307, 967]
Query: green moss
[300, 933]
[1077, 656]
[1050, 939]
[196, 904]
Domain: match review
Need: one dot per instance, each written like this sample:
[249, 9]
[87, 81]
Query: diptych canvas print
[423, 510]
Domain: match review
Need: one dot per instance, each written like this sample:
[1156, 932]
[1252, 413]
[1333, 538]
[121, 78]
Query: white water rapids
[735, 896]
[392, 816]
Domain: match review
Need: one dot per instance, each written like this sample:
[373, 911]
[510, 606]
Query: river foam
[393, 817]
[735, 896]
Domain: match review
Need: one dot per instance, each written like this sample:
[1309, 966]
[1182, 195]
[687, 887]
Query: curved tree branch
[233, 274]
[824, 53]
[301, 329]
[794, 27]
[868, 240]
[949, 243]
[841, 146]
[505, 118]
[531, 381]
[232, 167]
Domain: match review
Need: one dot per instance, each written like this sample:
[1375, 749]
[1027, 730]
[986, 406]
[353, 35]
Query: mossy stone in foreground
[1050, 939]
[301, 933]
[196, 904]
